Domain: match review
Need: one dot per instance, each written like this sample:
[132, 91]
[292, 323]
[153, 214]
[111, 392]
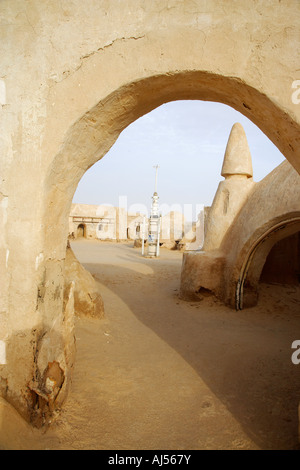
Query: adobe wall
[270, 214]
[93, 213]
[275, 203]
[73, 76]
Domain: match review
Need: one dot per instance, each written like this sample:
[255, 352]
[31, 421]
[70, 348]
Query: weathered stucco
[232, 268]
[270, 214]
[87, 296]
[73, 76]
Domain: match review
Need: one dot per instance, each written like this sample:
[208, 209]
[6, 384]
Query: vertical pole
[156, 168]
[143, 241]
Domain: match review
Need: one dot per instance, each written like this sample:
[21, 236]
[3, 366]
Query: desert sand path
[161, 373]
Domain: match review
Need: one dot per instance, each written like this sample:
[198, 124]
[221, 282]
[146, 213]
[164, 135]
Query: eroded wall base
[201, 270]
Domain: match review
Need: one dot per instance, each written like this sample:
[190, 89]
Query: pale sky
[187, 139]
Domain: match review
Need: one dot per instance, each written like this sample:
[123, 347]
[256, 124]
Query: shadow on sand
[243, 357]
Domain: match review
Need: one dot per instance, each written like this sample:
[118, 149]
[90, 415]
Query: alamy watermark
[132, 221]
[296, 354]
[296, 94]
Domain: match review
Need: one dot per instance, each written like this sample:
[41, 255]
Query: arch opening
[282, 264]
[81, 231]
[90, 138]
[274, 250]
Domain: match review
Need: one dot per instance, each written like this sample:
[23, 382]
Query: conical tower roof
[237, 158]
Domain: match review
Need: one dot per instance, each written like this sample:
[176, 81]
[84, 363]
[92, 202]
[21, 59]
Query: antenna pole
[156, 169]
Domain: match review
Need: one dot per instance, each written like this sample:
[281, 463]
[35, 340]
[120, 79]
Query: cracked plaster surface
[63, 75]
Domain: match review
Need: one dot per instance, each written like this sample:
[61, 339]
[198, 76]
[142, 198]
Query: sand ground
[161, 373]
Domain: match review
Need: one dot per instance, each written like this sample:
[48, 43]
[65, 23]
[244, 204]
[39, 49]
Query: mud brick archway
[90, 74]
